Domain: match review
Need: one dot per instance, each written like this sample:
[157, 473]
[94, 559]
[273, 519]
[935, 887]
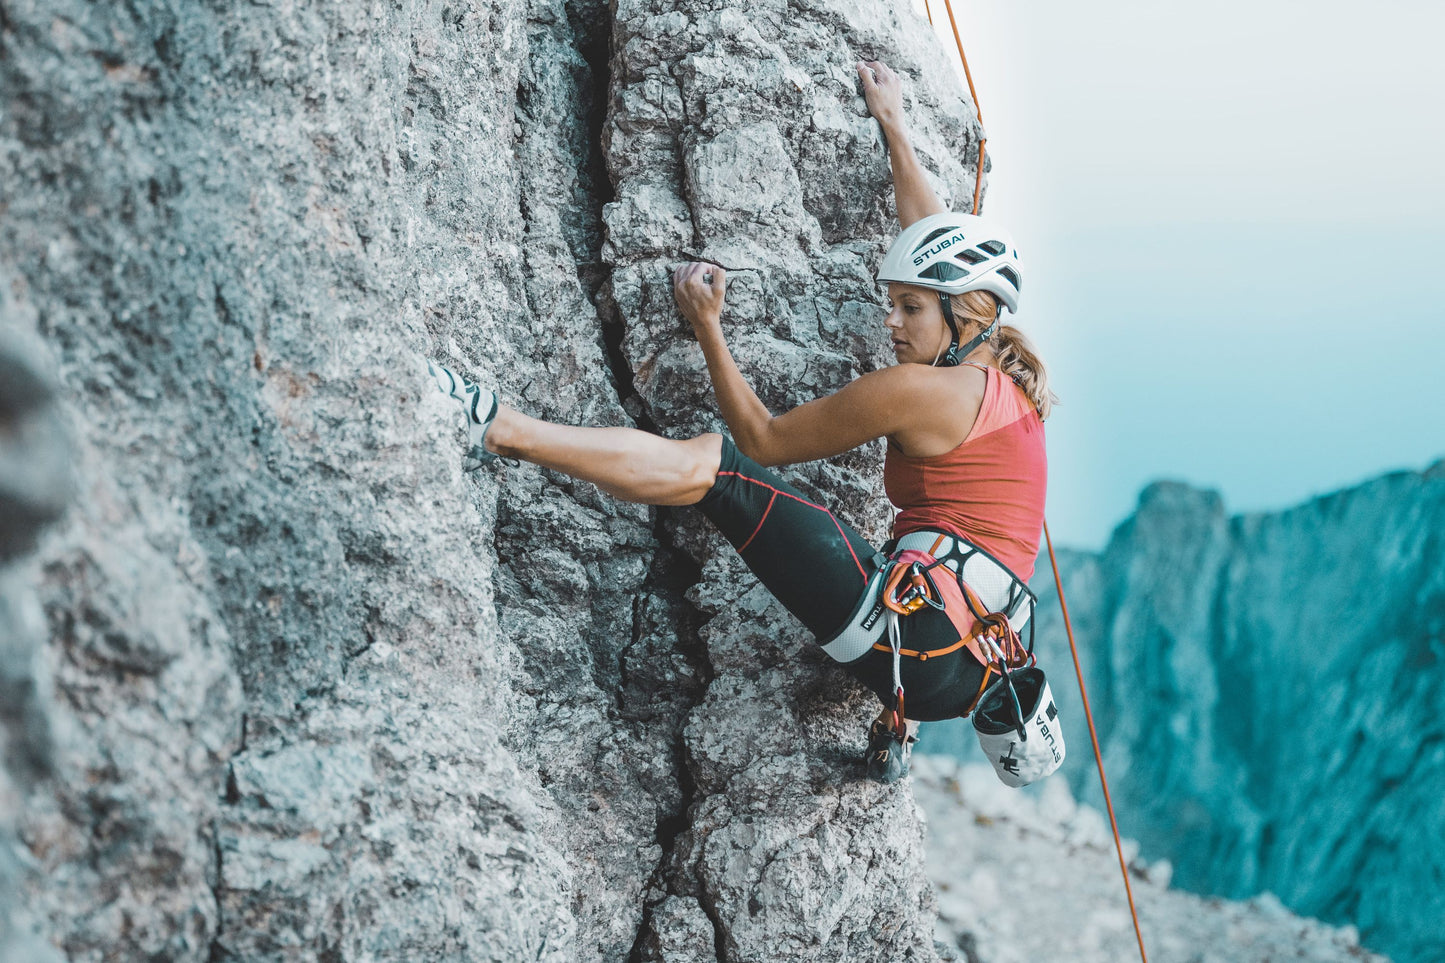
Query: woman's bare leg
[635, 466]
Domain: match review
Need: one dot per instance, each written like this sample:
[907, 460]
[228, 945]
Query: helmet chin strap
[955, 354]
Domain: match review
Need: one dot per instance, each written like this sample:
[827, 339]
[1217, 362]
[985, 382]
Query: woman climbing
[962, 413]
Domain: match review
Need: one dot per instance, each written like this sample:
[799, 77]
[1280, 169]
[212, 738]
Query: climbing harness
[985, 602]
[1053, 561]
[993, 586]
[1017, 702]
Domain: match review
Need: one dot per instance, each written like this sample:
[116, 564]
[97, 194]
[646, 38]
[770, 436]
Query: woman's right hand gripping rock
[884, 93]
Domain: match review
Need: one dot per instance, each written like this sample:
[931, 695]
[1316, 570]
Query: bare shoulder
[928, 383]
[922, 383]
[945, 404]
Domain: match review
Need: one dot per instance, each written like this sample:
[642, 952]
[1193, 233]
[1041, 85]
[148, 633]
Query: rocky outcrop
[310, 692]
[1043, 873]
[724, 141]
[1267, 690]
[35, 483]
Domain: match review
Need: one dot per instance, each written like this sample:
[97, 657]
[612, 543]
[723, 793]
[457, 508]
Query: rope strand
[977, 110]
[1068, 625]
[1094, 737]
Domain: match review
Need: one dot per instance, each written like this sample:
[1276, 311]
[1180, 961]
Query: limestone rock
[35, 483]
[314, 694]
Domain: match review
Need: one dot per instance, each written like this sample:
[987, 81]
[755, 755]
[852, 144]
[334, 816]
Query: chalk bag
[1018, 728]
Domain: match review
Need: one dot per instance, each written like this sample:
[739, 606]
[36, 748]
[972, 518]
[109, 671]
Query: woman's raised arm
[699, 289]
[884, 94]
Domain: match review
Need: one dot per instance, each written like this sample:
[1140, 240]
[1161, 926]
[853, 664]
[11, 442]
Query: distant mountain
[1267, 689]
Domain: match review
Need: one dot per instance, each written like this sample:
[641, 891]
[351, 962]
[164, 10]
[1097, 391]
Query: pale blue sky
[1231, 218]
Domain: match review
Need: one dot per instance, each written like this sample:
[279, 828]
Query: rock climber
[962, 413]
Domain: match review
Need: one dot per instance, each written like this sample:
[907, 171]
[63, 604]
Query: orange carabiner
[908, 601]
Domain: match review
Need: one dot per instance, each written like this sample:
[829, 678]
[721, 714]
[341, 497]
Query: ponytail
[1014, 353]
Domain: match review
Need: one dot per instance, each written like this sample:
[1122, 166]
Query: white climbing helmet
[953, 253]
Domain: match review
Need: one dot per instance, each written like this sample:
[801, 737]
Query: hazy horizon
[1230, 241]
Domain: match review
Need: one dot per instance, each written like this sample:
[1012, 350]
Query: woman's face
[915, 324]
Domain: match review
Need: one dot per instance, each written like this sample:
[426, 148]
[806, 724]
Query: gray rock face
[310, 693]
[35, 483]
[725, 140]
[1267, 690]
[267, 623]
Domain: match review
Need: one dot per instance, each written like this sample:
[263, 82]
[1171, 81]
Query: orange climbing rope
[978, 111]
[1058, 581]
[1094, 737]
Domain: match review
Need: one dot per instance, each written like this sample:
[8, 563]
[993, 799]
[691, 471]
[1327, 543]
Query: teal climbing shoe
[887, 754]
[480, 405]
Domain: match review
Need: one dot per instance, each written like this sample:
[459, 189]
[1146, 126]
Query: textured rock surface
[1267, 689]
[724, 140]
[35, 483]
[1043, 874]
[315, 695]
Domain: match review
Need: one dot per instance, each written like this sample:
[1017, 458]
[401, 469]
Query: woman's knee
[704, 464]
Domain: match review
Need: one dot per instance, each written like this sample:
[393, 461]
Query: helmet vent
[972, 257]
[994, 247]
[1011, 276]
[944, 272]
[931, 238]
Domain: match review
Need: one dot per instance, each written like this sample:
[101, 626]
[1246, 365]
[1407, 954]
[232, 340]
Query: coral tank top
[989, 490]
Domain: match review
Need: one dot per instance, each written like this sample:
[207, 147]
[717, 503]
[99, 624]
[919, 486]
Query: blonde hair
[1013, 352]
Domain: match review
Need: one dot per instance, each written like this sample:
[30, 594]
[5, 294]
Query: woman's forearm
[746, 416]
[911, 189]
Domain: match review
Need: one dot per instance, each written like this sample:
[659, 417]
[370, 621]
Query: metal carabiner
[933, 597]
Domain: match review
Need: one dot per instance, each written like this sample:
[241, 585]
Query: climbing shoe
[480, 406]
[887, 754]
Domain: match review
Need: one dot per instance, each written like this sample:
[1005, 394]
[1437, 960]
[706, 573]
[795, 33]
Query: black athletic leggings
[818, 567]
